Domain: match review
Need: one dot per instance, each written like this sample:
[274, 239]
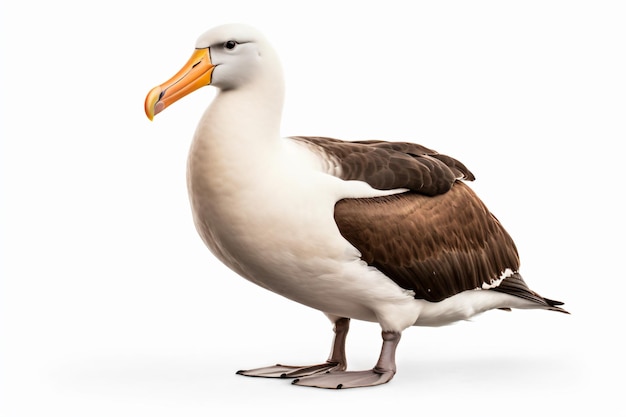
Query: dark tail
[515, 285]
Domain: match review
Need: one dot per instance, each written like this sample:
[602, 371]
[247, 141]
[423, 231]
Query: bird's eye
[230, 45]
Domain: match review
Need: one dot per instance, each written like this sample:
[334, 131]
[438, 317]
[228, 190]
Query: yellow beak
[194, 74]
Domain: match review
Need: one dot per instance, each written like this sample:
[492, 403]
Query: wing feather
[389, 165]
[425, 246]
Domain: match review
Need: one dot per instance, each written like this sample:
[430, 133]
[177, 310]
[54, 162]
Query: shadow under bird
[385, 232]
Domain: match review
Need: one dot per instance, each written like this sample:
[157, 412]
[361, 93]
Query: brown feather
[436, 246]
[389, 165]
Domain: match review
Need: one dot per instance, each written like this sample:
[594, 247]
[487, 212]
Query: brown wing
[436, 246]
[389, 165]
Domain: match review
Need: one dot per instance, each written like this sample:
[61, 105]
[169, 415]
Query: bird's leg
[382, 373]
[336, 361]
[338, 349]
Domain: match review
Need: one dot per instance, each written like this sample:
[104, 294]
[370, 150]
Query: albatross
[385, 232]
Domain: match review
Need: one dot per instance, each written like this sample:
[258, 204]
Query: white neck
[237, 135]
[246, 117]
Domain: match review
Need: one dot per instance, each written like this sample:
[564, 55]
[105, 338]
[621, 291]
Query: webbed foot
[344, 379]
[288, 371]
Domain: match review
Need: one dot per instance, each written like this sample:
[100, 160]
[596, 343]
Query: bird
[380, 231]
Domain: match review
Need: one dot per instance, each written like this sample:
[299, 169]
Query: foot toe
[288, 371]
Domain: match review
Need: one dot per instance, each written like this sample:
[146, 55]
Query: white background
[111, 306]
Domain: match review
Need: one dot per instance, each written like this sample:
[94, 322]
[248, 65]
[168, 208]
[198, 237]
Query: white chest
[264, 218]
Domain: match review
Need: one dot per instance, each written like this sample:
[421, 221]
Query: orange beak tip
[151, 105]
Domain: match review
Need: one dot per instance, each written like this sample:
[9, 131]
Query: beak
[195, 74]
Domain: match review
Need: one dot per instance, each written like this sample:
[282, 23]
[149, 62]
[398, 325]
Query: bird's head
[227, 57]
